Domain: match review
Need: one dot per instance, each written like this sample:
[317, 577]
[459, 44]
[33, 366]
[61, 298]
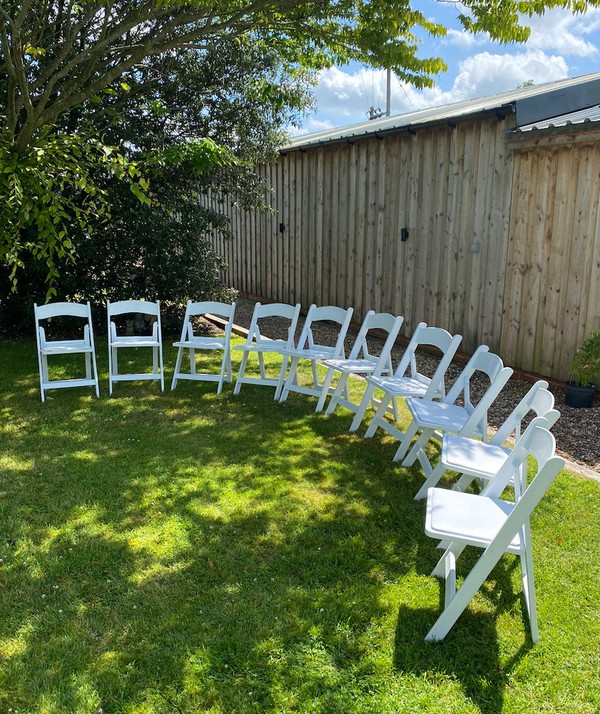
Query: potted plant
[580, 389]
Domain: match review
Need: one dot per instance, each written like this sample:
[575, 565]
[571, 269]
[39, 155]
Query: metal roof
[532, 105]
[582, 116]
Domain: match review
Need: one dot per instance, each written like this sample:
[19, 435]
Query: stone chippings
[577, 431]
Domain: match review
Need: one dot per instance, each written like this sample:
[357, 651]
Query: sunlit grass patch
[195, 552]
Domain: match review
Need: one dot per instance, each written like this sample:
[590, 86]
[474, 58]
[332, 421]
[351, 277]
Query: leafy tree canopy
[57, 55]
[68, 67]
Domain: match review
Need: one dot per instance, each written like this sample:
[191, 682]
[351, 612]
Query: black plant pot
[578, 396]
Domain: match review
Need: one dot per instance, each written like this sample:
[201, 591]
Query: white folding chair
[488, 522]
[361, 360]
[149, 312]
[308, 349]
[482, 460]
[407, 381]
[81, 345]
[192, 342]
[429, 417]
[258, 344]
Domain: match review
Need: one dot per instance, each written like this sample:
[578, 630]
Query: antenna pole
[388, 93]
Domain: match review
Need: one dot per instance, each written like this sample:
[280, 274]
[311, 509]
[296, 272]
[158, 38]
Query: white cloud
[464, 40]
[486, 73]
[344, 97]
[558, 30]
[561, 31]
[561, 43]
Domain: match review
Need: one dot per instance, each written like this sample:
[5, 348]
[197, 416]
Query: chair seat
[320, 352]
[401, 386]
[466, 518]
[135, 341]
[468, 456]
[437, 415]
[352, 366]
[264, 345]
[59, 347]
[202, 343]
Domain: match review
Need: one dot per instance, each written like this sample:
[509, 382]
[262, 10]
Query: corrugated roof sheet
[503, 102]
[590, 114]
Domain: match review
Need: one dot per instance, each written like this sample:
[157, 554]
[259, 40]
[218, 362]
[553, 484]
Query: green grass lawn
[188, 552]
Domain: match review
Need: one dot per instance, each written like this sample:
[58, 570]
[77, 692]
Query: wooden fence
[501, 238]
[552, 293]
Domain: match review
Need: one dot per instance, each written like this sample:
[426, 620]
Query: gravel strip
[577, 431]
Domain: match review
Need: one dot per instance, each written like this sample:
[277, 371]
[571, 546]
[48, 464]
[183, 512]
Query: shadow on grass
[188, 551]
[470, 652]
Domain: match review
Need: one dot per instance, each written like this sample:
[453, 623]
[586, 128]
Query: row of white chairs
[455, 517]
[148, 312]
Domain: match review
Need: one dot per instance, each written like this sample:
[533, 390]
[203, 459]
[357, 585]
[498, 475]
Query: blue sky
[561, 45]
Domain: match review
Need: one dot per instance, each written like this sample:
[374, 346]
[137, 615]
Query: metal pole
[388, 93]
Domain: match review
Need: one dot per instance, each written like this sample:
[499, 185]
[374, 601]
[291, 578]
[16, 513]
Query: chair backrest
[514, 469]
[275, 309]
[538, 442]
[123, 307]
[383, 322]
[197, 309]
[425, 336]
[62, 309]
[538, 400]
[330, 313]
[491, 365]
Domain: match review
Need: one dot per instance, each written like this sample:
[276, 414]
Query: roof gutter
[500, 111]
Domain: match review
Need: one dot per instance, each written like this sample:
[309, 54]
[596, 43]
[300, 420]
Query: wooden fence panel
[503, 238]
[551, 299]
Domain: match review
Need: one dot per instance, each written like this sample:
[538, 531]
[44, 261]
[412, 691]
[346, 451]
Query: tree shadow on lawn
[483, 677]
[155, 555]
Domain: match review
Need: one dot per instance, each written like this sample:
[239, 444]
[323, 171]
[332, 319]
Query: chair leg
[431, 481]
[313, 364]
[474, 580]
[177, 368]
[281, 379]
[223, 374]
[240, 375]
[162, 368]
[413, 454]
[395, 413]
[342, 388]
[325, 391]
[155, 360]
[115, 367]
[290, 379]
[261, 364]
[192, 361]
[528, 581]
[402, 450]
[463, 483]
[440, 567]
[43, 379]
[227, 360]
[45, 376]
[362, 407]
[379, 415]
[96, 383]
